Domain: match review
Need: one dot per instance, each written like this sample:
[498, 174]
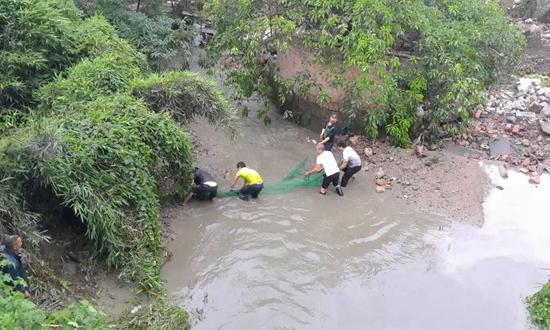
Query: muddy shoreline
[441, 182]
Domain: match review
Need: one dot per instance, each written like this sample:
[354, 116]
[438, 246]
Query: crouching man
[327, 162]
[253, 182]
[203, 189]
[351, 162]
[12, 265]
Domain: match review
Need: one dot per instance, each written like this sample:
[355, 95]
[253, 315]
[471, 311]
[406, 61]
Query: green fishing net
[292, 180]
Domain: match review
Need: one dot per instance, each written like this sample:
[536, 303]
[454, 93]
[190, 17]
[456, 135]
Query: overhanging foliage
[105, 154]
[185, 96]
[436, 54]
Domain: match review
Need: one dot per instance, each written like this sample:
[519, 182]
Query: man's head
[13, 242]
[320, 148]
[333, 119]
[341, 144]
[240, 165]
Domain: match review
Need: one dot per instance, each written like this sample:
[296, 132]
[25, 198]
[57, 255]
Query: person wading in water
[204, 188]
[328, 134]
[12, 264]
[351, 162]
[327, 162]
[253, 182]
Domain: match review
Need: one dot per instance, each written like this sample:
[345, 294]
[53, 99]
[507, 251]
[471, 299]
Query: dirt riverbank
[440, 182]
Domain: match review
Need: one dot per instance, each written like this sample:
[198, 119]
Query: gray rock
[499, 147]
[518, 105]
[525, 84]
[511, 119]
[545, 110]
[534, 36]
[525, 114]
[535, 107]
[545, 127]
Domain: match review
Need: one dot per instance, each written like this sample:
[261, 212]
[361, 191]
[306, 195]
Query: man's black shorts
[205, 192]
[348, 174]
[327, 180]
[251, 190]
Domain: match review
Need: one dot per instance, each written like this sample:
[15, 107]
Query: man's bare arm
[315, 169]
[343, 165]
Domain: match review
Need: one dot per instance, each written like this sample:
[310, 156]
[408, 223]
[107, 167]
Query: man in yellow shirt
[253, 182]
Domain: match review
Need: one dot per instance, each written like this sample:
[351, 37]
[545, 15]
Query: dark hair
[241, 165]
[341, 144]
[9, 240]
[334, 114]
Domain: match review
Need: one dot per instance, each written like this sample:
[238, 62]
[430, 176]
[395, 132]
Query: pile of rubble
[514, 127]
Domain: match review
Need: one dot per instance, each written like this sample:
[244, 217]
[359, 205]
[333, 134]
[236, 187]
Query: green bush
[440, 55]
[79, 315]
[185, 96]
[159, 37]
[16, 312]
[104, 162]
[103, 75]
[157, 315]
[37, 43]
[99, 150]
[539, 307]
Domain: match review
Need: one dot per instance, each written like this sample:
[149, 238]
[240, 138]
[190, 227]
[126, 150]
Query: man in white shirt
[327, 162]
[351, 162]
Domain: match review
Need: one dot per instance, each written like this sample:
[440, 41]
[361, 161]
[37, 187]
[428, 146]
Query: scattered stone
[420, 113]
[516, 129]
[499, 147]
[499, 187]
[503, 171]
[478, 113]
[419, 151]
[524, 170]
[380, 182]
[525, 163]
[380, 189]
[534, 36]
[545, 127]
[511, 119]
[368, 152]
[535, 107]
[526, 114]
[354, 140]
[380, 173]
[432, 147]
[545, 110]
[526, 83]
[534, 178]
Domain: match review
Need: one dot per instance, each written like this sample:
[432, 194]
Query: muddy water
[305, 261]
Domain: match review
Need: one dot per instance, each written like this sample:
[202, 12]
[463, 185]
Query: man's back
[327, 160]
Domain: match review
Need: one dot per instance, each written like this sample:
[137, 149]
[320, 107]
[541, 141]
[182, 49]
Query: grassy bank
[539, 307]
[86, 129]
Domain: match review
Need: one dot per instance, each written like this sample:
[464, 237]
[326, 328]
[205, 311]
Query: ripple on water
[258, 262]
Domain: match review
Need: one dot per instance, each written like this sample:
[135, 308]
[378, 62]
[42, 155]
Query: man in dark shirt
[204, 187]
[12, 265]
[328, 134]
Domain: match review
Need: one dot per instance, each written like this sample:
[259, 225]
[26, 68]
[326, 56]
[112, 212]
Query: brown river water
[300, 260]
